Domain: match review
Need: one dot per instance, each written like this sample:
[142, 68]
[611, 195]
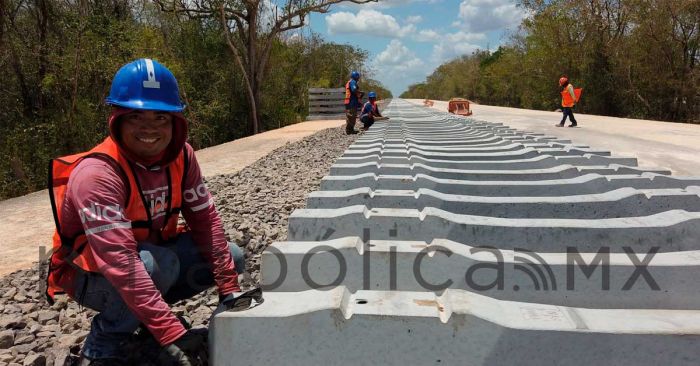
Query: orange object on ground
[459, 106]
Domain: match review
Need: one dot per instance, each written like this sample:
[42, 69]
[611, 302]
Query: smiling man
[146, 133]
[118, 247]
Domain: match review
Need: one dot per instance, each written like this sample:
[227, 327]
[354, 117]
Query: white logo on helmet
[151, 83]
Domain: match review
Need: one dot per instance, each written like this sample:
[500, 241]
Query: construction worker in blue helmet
[370, 111]
[353, 95]
[119, 248]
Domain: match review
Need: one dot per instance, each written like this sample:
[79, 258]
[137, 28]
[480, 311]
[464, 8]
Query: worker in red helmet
[568, 100]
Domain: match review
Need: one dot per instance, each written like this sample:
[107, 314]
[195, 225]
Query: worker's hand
[185, 351]
[241, 301]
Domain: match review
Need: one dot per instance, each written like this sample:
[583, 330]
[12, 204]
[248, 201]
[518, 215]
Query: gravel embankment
[254, 205]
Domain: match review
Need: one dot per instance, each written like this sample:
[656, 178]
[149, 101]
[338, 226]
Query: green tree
[251, 28]
[634, 58]
[58, 59]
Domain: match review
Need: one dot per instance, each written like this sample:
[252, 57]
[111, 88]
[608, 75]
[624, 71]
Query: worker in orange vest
[568, 101]
[118, 247]
[352, 102]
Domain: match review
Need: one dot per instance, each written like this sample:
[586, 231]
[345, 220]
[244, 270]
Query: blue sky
[408, 39]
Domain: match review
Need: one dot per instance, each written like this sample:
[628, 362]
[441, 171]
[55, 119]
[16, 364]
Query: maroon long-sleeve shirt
[94, 204]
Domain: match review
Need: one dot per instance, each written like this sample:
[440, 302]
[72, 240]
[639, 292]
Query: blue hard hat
[147, 85]
[372, 95]
[355, 75]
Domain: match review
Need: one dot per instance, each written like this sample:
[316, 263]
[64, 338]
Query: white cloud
[373, 22]
[414, 19]
[367, 21]
[488, 15]
[443, 52]
[464, 37]
[427, 35]
[384, 4]
[456, 44]
[396, 55]
[397, 66]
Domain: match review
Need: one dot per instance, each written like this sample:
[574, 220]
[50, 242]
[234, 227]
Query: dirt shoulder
[27, 223]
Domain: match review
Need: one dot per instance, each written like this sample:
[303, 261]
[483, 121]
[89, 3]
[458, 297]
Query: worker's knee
[238, 257]
[161, 264]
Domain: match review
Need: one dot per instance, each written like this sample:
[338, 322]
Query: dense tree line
[57, 59]
[634, 58]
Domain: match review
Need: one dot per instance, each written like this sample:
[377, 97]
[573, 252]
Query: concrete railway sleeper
[437, 238]
[623, 202]
[567, 278]
[582, 184]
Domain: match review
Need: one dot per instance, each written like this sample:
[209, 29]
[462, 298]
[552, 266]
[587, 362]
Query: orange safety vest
[348, 93]
[566, 99]
[373, 112]
[74, 251]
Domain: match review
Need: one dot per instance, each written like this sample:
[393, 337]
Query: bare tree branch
[239, 61]
[198, 12]
[254, 32]
[321, 7]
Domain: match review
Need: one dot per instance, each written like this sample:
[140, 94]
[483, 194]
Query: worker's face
[146, 133]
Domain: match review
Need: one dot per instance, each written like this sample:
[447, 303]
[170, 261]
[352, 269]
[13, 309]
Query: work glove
[235, 302]
[188, 350]
[241, 301]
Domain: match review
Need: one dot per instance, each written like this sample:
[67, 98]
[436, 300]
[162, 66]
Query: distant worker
[118, 248]
[569, 98]
[352, 102]
[370, 111]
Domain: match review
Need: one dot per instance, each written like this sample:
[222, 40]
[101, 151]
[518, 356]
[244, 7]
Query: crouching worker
[118, 248]
[370, 111]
